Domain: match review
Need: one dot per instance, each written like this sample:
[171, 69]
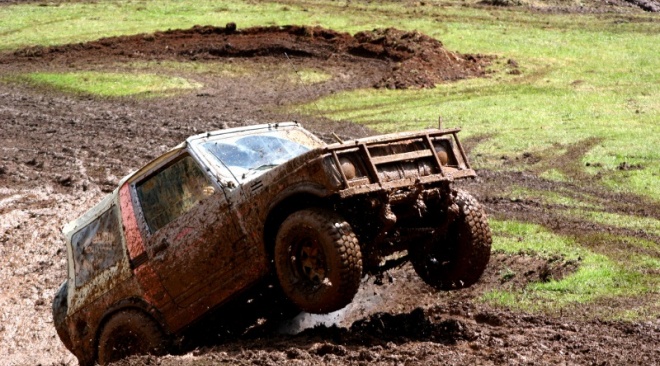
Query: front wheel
[457, 258]
[318, 260]
[127, 333]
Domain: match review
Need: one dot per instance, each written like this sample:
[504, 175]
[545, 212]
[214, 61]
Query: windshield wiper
[259, 168]
[265, 166]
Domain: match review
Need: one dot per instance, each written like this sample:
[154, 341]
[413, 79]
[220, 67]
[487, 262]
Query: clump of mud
[420, 61]
[410, 59]
[647, 5]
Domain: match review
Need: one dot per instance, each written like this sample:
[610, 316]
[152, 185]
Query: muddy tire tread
[349, 259]
[472, 256]
[135, 321]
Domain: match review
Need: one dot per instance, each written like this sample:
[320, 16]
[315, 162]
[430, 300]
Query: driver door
[192, 232]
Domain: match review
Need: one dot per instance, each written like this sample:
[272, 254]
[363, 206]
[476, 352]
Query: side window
[97, 246]
[172, 191]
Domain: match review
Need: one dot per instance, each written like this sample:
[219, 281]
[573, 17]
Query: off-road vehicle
[207, 220]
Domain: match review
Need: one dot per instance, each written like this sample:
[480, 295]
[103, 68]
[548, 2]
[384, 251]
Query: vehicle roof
[90, 215]
[228, 132]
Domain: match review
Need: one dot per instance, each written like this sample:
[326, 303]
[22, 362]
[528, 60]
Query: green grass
[555, 175]
[598, 278]
[306, 76]
[221, 69]
[552, 197]
[586, 208]
[150, 84]
[111, 84]
[515, 237]
[589, 88]
[61, 23]
[525, 118]
[68, 22]
[309, 76]
[647, 263]
[645, 224]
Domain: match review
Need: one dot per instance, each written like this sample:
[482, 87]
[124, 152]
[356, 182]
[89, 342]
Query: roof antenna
[318, 110]
[439, 122]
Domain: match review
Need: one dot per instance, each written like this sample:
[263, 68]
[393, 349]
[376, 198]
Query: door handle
[161, 246]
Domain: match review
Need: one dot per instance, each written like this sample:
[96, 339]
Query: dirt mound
[412, 59]
[647, 5]
[422, 61]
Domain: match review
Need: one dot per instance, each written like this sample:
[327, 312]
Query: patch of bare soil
[60, 154]
[647, 5]
[455, 333]
[585, 6]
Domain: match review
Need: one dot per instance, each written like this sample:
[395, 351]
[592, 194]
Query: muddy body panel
[392, 189]
[197, 226]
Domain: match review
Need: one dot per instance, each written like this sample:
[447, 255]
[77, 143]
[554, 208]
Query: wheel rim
[309, 262]
[440, 253]
[124, 343]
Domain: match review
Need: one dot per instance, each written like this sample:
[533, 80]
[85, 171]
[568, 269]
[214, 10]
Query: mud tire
[127, 333]
[458, 258]
[318, 260]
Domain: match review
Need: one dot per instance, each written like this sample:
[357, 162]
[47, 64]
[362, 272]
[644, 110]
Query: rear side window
[97, 246]
[172, 191]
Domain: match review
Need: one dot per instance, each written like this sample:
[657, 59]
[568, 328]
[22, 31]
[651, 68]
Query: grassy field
[586, 103]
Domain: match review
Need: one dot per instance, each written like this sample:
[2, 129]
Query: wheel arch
[129, 304]
[289, 201]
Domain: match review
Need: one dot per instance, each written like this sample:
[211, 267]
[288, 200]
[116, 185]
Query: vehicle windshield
[249, 155]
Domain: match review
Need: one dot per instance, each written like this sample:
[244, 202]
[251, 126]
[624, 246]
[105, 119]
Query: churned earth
[61, 153]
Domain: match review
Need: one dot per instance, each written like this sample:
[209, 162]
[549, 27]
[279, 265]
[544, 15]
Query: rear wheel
[127, 333]
[318, 260]
[458, 258]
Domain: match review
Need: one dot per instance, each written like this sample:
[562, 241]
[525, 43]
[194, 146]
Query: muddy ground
[60, 153]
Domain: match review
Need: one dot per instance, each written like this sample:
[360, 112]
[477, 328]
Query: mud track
[59, 154]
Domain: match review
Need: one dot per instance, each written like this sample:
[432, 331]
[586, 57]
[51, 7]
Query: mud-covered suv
[223, 210]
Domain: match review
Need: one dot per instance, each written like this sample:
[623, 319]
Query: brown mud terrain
[60, 154]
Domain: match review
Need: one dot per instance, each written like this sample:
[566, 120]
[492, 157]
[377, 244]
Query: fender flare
[124, 304]
[289, 200]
